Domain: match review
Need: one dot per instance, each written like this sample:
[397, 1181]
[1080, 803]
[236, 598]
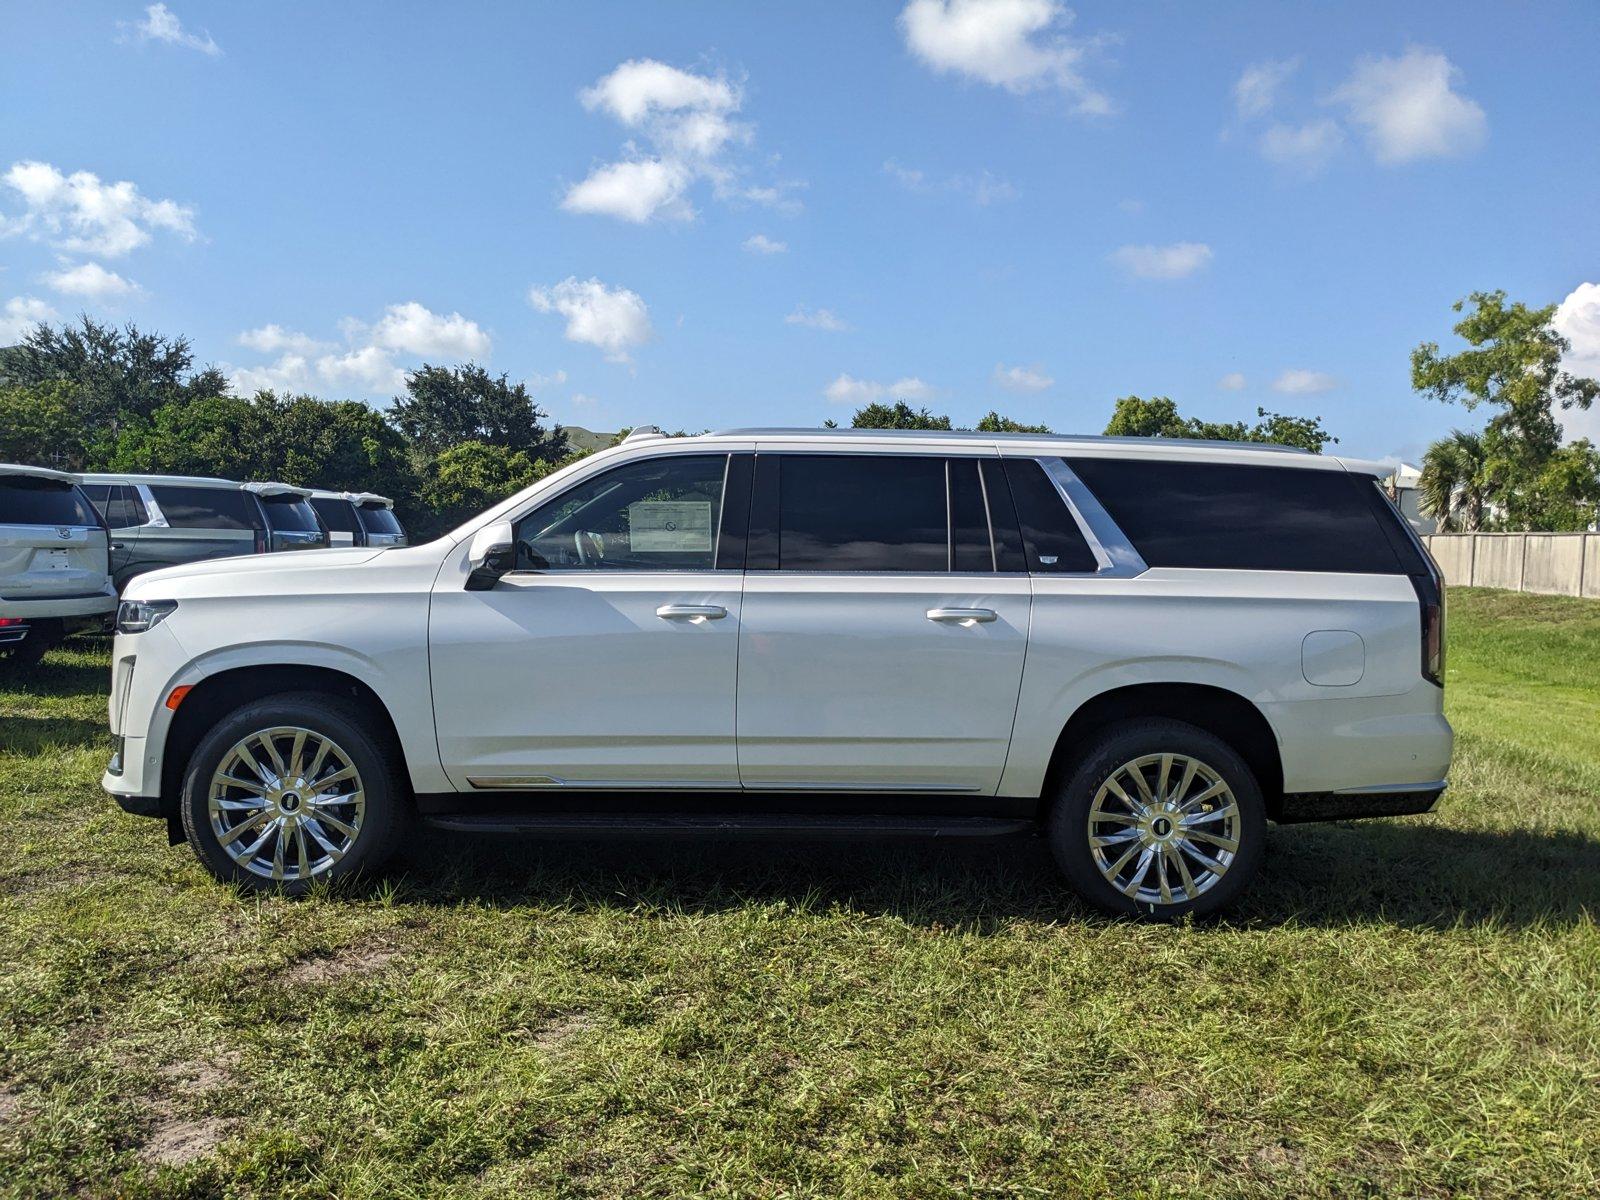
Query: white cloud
[371, 362]
[688, 125]
[584, 400]
[1021, 379]
[89, 280]
[633, 191]
[161, 24]
[1256, 91]
[849, 390]
[1233, 381]
[79, 214]
[1304, 148]
[1175, 261]
[1020, 45]
[553, 379]
[275, 339]
[20, 315]
[760, 243]
[1578, 320]
[1409, 109]
[612, 319]
[819, 318]
[1299, 382]
[983, 188]
[410, 328]
[1131, 206]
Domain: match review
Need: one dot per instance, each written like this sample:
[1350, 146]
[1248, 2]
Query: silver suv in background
[359, 518]
[166, 520]
[54, 575]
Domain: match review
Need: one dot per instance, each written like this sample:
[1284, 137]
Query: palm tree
[1454, 487]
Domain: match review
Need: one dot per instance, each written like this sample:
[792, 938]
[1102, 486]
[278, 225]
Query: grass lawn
[1399, 1007]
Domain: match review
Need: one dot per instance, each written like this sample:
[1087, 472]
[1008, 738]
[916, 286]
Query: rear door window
[29, 500]
[1054, 543]
[338, 515]
[206, 507]
[375, 518]
[1241, 517]
[861, 512]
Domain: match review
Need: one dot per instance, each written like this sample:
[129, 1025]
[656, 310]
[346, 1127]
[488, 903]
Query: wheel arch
[218, 694]
[1219, 711]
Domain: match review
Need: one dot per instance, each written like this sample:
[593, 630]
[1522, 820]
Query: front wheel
[291, 789]
[1159, 819]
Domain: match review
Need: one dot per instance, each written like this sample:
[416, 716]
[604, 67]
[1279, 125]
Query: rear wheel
[291, 789]
[1159, 819]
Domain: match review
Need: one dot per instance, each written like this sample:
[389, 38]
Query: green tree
[1159, 417]
[213, 435]
[1513, 364]
[898, 415]
[1454, 488]
[470, 477]
[993, 422]
[447, 406]
[40, 424]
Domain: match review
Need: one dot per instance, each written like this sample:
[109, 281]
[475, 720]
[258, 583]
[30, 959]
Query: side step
[753, 825]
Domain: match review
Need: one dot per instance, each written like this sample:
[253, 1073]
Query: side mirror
[492, 554]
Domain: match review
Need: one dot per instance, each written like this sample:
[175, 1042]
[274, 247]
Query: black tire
[1068, 826]
[387, 814]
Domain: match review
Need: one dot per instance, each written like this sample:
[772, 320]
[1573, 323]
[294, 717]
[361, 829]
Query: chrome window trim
[1111, 547]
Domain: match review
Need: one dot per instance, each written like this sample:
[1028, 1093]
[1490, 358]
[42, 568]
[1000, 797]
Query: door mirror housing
[493, 552]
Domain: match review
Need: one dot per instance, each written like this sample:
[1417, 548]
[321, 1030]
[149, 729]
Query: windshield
[29, 500]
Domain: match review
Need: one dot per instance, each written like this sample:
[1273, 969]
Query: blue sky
[778, 211]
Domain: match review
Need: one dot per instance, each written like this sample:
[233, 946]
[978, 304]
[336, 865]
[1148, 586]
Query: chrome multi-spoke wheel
[286, 803]
[1164, 828]
[1159, 819]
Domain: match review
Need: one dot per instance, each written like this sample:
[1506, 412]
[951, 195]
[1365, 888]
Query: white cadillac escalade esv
[1145, 649]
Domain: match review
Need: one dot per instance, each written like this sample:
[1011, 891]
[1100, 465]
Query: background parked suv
[163, 520]
[1144, 649]
[53, 565]
[358, 518]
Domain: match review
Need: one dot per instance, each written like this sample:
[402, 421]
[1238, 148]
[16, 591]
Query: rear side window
[1221, 515]
[375, 518]
[859, 512]
[290, 513]
[206, 508]
[337, 515]
[1055, 544]
[29, 500]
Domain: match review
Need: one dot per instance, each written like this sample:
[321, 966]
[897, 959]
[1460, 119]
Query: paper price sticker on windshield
[673, 526]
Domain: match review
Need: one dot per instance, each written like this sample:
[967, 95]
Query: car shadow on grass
[1409, 874]
[40, 735]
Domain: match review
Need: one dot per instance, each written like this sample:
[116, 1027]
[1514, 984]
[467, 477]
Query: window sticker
[670, 526]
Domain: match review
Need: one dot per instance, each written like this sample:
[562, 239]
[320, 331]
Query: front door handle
[698, 612]
[963, 616]
[119, 545]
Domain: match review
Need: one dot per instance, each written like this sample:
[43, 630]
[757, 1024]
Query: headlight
[138, 616]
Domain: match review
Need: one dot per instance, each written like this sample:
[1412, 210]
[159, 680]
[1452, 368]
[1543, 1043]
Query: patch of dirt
[176, 1141]
[555, 1032]
[205, 1076]
[351, 960]
[10, 1105]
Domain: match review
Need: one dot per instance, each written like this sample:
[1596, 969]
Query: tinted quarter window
[206, 508]
[659, 514]
[970, 549]
[1228, 516]
[337, 515]
[861, 512]
[1054, 543]
[290, 514]
[375, 518]
[28, 500]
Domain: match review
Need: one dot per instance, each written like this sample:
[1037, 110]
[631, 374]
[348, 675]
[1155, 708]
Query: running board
[754, 825]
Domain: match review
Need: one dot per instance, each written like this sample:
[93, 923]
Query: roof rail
[640, 433]
[1092, 439]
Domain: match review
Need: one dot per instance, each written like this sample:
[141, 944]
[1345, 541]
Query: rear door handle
[963, 616]
[703, 612]
[119, 546]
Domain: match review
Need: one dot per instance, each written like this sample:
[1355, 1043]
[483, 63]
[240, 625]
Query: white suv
[1147, 649]
[54, 561]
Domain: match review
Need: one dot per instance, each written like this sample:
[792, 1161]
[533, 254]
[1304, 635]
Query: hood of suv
[255, 570]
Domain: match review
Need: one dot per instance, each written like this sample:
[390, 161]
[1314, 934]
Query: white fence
[1554, 564]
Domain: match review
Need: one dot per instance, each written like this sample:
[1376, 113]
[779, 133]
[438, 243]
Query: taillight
[1430, 598]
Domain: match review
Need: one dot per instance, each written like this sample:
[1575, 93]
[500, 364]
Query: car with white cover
[54, 566]
[1144, 650]
[358, 518]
